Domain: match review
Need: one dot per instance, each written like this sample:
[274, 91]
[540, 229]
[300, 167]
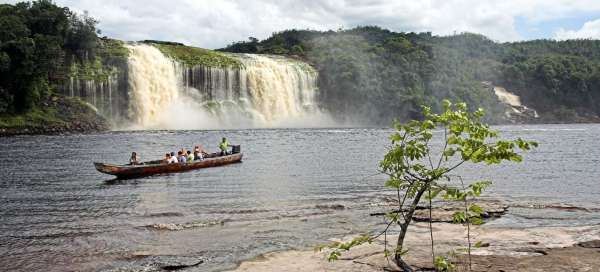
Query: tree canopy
[37, 41]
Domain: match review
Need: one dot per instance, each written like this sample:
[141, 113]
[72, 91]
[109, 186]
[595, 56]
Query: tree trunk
[404, 229]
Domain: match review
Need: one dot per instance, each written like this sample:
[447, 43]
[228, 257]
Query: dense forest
[38, 40]
[376, 74]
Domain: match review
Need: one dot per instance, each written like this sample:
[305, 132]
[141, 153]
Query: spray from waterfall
[268, 91]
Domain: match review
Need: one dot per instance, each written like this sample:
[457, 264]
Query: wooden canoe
[158, 167]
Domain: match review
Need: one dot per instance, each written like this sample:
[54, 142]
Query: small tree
[416, 170]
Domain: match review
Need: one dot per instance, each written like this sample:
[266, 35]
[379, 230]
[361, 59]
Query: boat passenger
[134, 159]
[173, 158]
[201, 152]
[198, 156]
[190, 157]
[180, 157]
[223, 146]
[167, 158]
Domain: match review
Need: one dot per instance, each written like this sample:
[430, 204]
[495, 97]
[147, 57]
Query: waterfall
[506, 97]
[516, 112]
[268, 91]
[99, 94]
[279, 89]
[153, 85]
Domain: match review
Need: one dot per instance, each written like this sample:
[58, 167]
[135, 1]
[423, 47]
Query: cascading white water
[268, 91]
[278, 88]
[153, 85]
[507, 97]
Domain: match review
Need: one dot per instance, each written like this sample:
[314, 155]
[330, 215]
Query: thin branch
[384, 231]
[468, 222]
[429, 154]
[431, 230]
[455, 166]
[445, 146]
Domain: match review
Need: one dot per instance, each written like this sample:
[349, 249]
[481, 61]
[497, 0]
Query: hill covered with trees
[373, 73]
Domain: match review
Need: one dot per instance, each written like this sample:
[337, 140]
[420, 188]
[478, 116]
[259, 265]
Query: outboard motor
[236, 149]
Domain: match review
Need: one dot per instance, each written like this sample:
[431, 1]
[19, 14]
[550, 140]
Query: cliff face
[101, 82]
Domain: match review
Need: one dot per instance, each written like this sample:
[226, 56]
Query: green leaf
[392, 216]
[459, 217]
[434, 193]
[446, 104]
[516, 158]
[333, 256]
[393, 183]
[475, 209]
[449, 152]
[442, 263]
[476, 220]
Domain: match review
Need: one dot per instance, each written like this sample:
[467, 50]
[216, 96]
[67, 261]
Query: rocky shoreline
[69, 128]
[57, 115]
[501, 248]
[534, 249]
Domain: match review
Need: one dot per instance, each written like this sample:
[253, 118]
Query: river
[294, 189]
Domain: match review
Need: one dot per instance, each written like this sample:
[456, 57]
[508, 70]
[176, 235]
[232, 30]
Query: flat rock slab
[555, 260]
[508, 249]
[590, 244]
[443, 211]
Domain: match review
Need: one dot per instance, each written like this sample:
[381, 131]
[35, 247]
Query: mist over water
[269, 91]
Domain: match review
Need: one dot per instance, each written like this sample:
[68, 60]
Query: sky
[217, 23]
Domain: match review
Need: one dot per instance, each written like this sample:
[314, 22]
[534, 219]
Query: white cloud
[216, 23]
[589, 30]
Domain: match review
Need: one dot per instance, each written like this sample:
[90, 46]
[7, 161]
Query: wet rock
[165, 214]
[176, 227]
[161, 263]
[330, 207]
[590, 244]
[564, 207]
[532, 251]
[443, 211]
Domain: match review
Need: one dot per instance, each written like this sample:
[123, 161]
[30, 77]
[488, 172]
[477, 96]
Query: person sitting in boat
[190, 156]
[181, 158]
[199, 153]
[223, 146]
[198, 156]
[173, 158]
[167, 158]
[134, 159]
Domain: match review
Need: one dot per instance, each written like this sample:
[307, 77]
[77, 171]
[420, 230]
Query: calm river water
[294, 189]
